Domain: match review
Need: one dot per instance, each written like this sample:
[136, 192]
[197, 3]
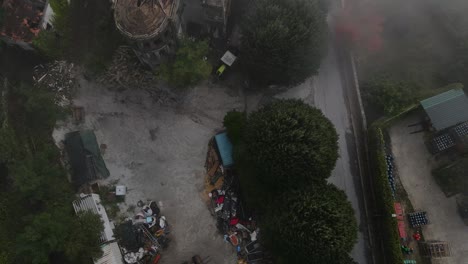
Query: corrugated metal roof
[225, 149]
[447, 109]
[111, 254]
[92, 203]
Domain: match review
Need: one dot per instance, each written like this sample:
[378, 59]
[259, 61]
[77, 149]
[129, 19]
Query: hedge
[384, 199]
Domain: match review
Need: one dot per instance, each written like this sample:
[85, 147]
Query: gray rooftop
[447, 109]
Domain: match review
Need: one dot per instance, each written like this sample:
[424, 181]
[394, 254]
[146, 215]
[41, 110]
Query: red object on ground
[220, 199]
[402, 229]
[234, 221]
[417, 236]
[156, 259]
[398, 211]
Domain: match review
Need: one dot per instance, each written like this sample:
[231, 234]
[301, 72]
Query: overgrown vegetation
[419, 50]
[386, 224]
[37, 223]
[190, 65]
[283, 40]
[285, 153]
[388, 94]
[84, 32]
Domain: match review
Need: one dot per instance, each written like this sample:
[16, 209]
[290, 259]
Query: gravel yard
[158, 151]
[414, 164]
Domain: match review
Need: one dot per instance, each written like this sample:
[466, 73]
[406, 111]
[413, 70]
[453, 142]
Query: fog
[416, 40]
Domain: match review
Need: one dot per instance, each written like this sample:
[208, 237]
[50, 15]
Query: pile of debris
[58, 77]
[144, 237]
[233, 219]
[126, 72]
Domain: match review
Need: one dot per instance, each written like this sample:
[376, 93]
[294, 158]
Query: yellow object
[221, 69]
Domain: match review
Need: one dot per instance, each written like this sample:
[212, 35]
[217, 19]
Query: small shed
[224, 147]
[85, 157]
[447, 109]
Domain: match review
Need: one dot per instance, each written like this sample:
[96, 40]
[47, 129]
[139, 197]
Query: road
[331, 91]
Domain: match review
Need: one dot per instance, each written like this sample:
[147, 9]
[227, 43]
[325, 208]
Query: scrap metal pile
[144, 237]
[59, 77]
[233, 221]
[239, 229]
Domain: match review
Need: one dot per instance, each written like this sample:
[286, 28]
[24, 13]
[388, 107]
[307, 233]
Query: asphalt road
[331, 91]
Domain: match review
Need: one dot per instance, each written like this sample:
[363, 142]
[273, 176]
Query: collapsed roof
[85, 157]
[143, 19]
[22, 19]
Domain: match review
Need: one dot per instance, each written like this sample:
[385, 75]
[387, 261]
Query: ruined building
[23, 20]
[216, 13]
[151, 25]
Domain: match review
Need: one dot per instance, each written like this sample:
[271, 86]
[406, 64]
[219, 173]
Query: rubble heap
[126, 72]
[58, 77]
[143, 238]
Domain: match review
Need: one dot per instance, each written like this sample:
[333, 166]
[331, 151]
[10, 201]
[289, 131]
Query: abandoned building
[447, 114]
[151, 25]
[23, 20]
[84, 157]
[216, 13]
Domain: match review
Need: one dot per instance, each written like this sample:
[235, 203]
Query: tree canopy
[311, 225]
[290, 144]
[283, 40]
[34, 186]
[286, 151]
[83, 32]
[190, 65]
[388, 94]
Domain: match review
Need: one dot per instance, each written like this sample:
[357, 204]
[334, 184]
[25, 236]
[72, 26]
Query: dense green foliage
[388, 94]
[84, 32]
[387, 226]
[290, 144]
[234, 123]
[37, 223]
[190, 65]
[283, 40]
[285, 153]
[312, 225]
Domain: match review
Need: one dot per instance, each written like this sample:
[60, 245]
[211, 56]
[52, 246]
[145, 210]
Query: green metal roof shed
[447, 109]
[225, 149]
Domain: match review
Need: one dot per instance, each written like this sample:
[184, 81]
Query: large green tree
[84, 32]
[289, 143]
[311, 225]
[283, 40]
[34, 185]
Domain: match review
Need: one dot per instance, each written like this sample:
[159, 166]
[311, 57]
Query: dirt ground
[414, 164]
[158, 151]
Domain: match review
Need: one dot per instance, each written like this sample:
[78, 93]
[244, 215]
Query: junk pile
[59, 77]
[233, 219]
[239, 229]
[126, 72]
[143, 238]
